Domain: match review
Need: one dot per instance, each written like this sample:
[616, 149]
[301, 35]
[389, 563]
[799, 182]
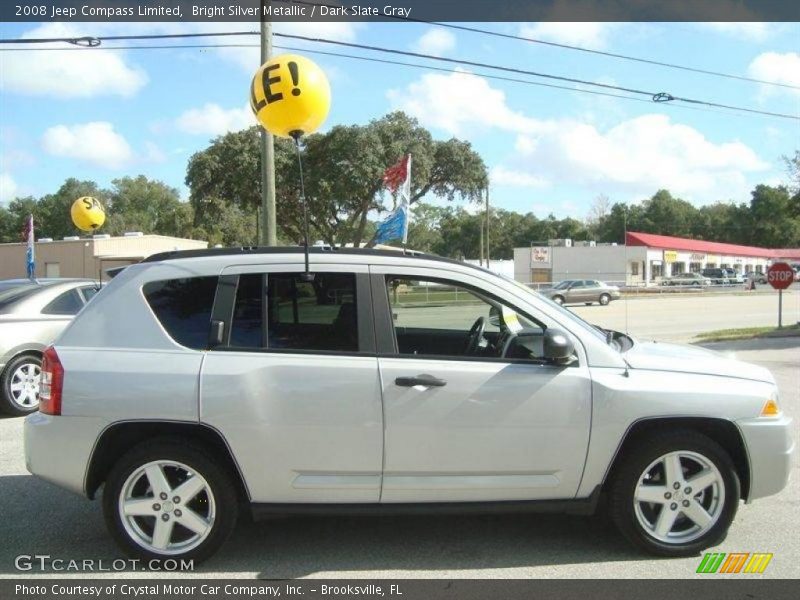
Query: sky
[103, 114]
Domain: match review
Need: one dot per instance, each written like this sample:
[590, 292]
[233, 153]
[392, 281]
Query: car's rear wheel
[167, 499]
[675, 494]
[19, 385]
[605, 299]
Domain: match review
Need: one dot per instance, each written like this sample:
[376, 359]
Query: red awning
[667, 242]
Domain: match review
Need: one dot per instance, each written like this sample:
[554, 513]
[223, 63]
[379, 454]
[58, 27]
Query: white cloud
[457, 103]
[780, 68]
[68, 74]
[8, 187]
[504, 176]
[435, 41]
[752, 32]
[212, 119]
[96, 143]
[586, 35]
[636, 155]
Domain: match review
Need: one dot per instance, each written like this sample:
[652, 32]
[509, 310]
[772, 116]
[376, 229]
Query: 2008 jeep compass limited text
[200, 384]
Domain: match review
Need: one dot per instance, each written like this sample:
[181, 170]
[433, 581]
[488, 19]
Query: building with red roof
[646, 258]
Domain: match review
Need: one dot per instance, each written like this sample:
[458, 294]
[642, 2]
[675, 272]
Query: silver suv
[203, 383]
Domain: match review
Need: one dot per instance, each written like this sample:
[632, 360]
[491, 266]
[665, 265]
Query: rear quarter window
[183, 307]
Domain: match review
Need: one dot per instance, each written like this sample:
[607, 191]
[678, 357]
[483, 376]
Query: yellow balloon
[290, 95]
[87, 213]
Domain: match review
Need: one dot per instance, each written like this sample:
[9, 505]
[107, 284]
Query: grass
[743, 333]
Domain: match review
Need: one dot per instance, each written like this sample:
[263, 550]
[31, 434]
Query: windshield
[588, 327]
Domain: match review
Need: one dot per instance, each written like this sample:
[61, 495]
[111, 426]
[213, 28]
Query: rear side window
[318, 315]
[68, 303]
[183, 307]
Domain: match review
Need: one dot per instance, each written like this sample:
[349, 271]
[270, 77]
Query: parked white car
[202, 383]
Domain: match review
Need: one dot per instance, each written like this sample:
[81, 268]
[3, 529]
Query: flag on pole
[29, 254]
[397, 180]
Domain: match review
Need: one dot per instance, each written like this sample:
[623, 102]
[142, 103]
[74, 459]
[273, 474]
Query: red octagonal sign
[780, 276]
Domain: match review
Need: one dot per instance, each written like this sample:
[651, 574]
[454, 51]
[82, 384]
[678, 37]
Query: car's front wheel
[605, 299]
[19, 385]
[169, 499]
[675, 494]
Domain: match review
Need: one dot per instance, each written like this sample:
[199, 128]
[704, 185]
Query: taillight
[51, 384]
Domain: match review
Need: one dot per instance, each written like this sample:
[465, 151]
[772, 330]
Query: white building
[645, 259]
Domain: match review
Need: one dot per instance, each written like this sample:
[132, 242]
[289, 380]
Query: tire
[216, 504]
[639, 520]
[558, 300]
[604, 299]
[22, 370]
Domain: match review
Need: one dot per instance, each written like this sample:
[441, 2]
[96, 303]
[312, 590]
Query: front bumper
[58, 449]
[769, 449]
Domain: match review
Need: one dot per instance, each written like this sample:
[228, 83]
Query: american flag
[396, 175]
[397, 180]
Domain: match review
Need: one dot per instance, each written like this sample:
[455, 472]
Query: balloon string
[296, 137]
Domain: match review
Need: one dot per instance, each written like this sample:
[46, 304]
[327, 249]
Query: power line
[655, 96]
[93, 42]
[365, 59]
[533, 40]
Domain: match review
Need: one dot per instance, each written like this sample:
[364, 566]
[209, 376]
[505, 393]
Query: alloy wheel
[24, 385]
[166, 507]
[679, 497]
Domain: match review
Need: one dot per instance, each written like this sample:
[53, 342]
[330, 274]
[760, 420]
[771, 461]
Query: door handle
[426, 380]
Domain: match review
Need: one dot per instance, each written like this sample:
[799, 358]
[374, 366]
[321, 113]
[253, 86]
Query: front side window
[183, 307]
[287, 311]
[441, 318]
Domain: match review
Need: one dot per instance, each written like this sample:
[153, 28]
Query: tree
[773, 223]
[343, 175]
[142, 204]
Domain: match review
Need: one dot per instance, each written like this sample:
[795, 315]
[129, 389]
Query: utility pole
[480, 257]
[268, 235]
[487, 227]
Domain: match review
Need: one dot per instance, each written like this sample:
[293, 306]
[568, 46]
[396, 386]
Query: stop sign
[780, 276]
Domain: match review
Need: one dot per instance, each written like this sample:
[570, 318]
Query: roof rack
[249, 250]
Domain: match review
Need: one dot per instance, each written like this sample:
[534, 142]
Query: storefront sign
[697, 257]
[540, 255]
[670, 256]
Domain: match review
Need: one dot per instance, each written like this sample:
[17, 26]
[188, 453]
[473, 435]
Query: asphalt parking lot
[38, 518]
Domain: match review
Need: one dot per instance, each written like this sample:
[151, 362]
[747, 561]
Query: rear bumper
[58, 449]
[769, 449]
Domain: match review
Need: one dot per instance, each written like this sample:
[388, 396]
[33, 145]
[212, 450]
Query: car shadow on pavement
[293, 547]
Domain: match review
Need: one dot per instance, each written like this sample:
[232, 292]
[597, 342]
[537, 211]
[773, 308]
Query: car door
[575, 291]
[292, 383]
[471, 427]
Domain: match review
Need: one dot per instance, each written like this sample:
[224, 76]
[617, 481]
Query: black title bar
[400, 10]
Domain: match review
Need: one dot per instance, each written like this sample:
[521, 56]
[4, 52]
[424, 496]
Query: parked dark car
[717, 276]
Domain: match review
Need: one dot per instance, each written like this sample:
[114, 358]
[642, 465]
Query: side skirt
[575, 506]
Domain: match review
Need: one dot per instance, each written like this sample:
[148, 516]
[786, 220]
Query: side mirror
[557, 347]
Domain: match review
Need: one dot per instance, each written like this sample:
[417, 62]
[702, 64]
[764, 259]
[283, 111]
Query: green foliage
[343, 176]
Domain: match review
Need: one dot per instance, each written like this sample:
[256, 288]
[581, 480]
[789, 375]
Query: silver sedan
[588, 291]
[32, 314]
